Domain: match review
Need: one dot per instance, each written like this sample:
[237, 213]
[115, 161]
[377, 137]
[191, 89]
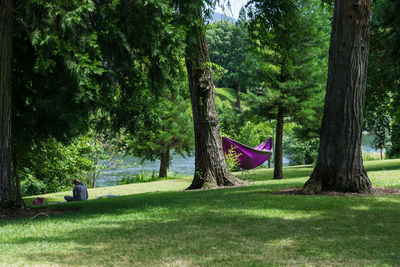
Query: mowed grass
[159, 224]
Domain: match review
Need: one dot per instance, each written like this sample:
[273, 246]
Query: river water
[180, 166]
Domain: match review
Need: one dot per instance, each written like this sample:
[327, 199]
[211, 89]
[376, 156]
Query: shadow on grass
[268, 174]
[293, 172]
[235, 226]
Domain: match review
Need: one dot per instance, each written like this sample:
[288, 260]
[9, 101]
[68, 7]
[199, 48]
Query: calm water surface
[180, 166]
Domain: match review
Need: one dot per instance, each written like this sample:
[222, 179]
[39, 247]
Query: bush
[301, 152]
[253, 134]
[371, 155]
[51, 166]
[31, 186]
[232, 159]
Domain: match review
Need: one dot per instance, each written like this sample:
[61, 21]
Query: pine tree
[292, 43]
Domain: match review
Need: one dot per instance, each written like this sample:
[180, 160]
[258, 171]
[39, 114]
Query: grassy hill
[158, 223]
[226, 97]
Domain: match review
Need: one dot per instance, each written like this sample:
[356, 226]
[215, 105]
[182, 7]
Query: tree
[55, 65]
[172, 131]
[210, 166]
[9, 196]
[291, 40]
[230, 47]
[382, 92]
[144, 77]
[339, 166]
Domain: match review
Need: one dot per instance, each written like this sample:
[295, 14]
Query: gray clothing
[80, 193]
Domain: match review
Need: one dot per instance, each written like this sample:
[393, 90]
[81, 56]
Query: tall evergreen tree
[230, 47]
[173, 132]
[292, 39]
[339, 166]
[144, 78]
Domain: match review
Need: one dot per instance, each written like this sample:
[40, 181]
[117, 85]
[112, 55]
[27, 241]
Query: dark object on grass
[39, 201]
[80, 192]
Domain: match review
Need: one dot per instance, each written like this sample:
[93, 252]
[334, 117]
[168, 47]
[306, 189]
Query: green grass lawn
[159, 224]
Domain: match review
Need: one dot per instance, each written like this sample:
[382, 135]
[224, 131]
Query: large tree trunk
[164, 163]
[339, 165]
[210, 166]
[278, 173]
[9, 197]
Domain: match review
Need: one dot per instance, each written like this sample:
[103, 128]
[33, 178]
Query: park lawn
[242, 226]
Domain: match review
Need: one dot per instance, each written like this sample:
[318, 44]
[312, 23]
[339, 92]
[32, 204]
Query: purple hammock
[249, 157]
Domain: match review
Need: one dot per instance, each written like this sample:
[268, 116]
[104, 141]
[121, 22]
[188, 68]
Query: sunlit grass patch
[159, 224]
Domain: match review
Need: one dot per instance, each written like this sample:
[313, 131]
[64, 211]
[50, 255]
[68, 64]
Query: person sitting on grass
[80, 192]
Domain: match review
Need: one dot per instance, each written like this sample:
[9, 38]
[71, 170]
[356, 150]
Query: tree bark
[238, 96]
[9, 197]
[278, 173]
[164, 163]
[210, 166]
[17, 179]
[339, 164]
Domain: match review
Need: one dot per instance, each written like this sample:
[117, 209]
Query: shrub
[371, 155]
[31, 186]
[232, 159]
[300, 152]
[55, 165]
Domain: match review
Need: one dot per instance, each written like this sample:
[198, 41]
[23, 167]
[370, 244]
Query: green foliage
[300, 152]
[394, 149]
[292, 40]
[171, 128]
[232, 159]
[72, 59]
[139, 178]
[229, 46]
[143, 177]
[31, 186]
[103, 149]
[52, 166]
[382, 93]
[238, 125]
[56, 61]
[253, 133]
[366, 156]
